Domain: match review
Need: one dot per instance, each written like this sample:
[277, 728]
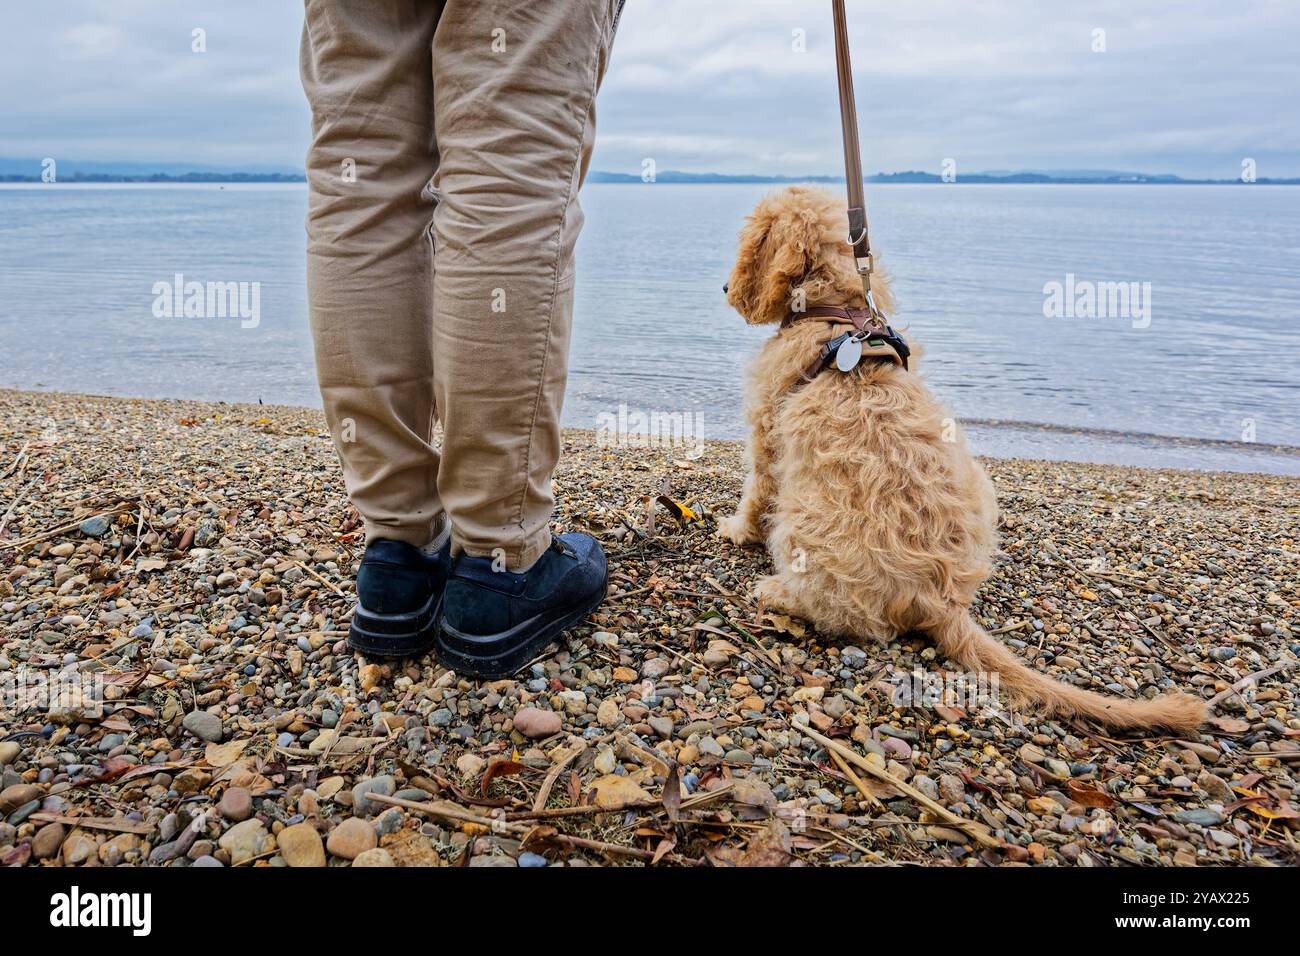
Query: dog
[878, 519]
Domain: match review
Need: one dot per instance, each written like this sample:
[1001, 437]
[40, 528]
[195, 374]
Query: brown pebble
[236, 804]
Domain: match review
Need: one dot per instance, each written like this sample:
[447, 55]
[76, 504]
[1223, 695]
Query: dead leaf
[772, 847]
[666, 846]
[223, 755]
[539, 838]
[499, 768]
[613, 792]
[724, 856]
[673, 795]
[1229, 725]
[788, 625]
[1090, 796]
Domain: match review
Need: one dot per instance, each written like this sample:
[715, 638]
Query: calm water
[1218, 358]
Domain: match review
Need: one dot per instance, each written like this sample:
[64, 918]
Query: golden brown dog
[878, 519]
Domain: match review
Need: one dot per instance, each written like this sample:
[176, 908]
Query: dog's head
[794, 252]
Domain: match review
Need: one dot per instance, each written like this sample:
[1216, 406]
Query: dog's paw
[770, 594]
[737, 530]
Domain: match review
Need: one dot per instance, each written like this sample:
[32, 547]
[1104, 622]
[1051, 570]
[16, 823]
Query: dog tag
[848, 354]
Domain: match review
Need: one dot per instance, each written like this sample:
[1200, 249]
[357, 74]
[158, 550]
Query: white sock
[434, 546]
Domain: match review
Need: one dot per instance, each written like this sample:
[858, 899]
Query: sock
[436, 545]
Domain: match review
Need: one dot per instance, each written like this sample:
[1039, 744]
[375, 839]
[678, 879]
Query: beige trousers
[449, 141]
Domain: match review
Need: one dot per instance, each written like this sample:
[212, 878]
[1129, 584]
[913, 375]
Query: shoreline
[1285, 459]
[194, 562]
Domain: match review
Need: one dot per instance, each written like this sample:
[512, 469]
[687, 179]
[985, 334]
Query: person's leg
[515, 85]
[367, 72]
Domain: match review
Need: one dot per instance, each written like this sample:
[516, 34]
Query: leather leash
[858, 235]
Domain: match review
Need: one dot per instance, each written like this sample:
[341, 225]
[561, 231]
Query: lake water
[1214, 365]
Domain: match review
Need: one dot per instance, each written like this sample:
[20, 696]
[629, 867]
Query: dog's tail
[970, 645]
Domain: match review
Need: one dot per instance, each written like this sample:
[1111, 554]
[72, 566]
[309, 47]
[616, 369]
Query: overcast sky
[1184, 86]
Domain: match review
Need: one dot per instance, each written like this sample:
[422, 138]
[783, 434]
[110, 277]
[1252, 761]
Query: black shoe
[495, 622]
[399, 594]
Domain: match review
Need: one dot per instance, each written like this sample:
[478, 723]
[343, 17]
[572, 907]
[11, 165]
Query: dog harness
[871, 338]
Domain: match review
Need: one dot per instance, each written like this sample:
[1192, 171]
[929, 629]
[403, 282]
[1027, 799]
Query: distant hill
[71, 171]
[916, 176]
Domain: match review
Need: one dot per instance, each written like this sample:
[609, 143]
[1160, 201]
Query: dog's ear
[745, 285]
[785, 240]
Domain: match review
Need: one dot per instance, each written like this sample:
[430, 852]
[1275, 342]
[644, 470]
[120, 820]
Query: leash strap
[858, 237]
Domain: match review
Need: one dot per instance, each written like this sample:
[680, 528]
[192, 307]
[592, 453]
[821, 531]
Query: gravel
[189, 567]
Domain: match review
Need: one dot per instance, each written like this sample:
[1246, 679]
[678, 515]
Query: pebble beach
[176, 690]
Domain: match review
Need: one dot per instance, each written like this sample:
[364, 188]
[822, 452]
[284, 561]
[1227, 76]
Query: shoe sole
[395, 635]
[497, 656]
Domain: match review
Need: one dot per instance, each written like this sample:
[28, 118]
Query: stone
[1058, 768]
[835, 706]
[897, 748]
[383, 785]
[926, 785]
[9, 752]
[78, 848]
[116, 850]
[608, 713]
[710, 747]
[351, 838]
[606, 761]
[245, 840]
[236, 804]
[888, 730]
[47, 841]
[376, 856]
[656, 668]
[1223, 838]
[1031, 754]
[470, 765]
[1204, 817]
[209, 532]
[952, 789]
[535, 723]
[301, 846]
[23, 812]
[1044, 806]
[409, 848]
[191, 781]
[1216, 787]
[203, 725]
[11, 798]
[94, 527]
[390, 821]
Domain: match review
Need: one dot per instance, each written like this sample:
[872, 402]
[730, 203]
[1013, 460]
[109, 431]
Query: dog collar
[871, 338]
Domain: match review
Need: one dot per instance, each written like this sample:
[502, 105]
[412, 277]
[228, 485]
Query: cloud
[1184, 86]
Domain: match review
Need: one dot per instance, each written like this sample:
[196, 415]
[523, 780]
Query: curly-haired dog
[878, 519]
